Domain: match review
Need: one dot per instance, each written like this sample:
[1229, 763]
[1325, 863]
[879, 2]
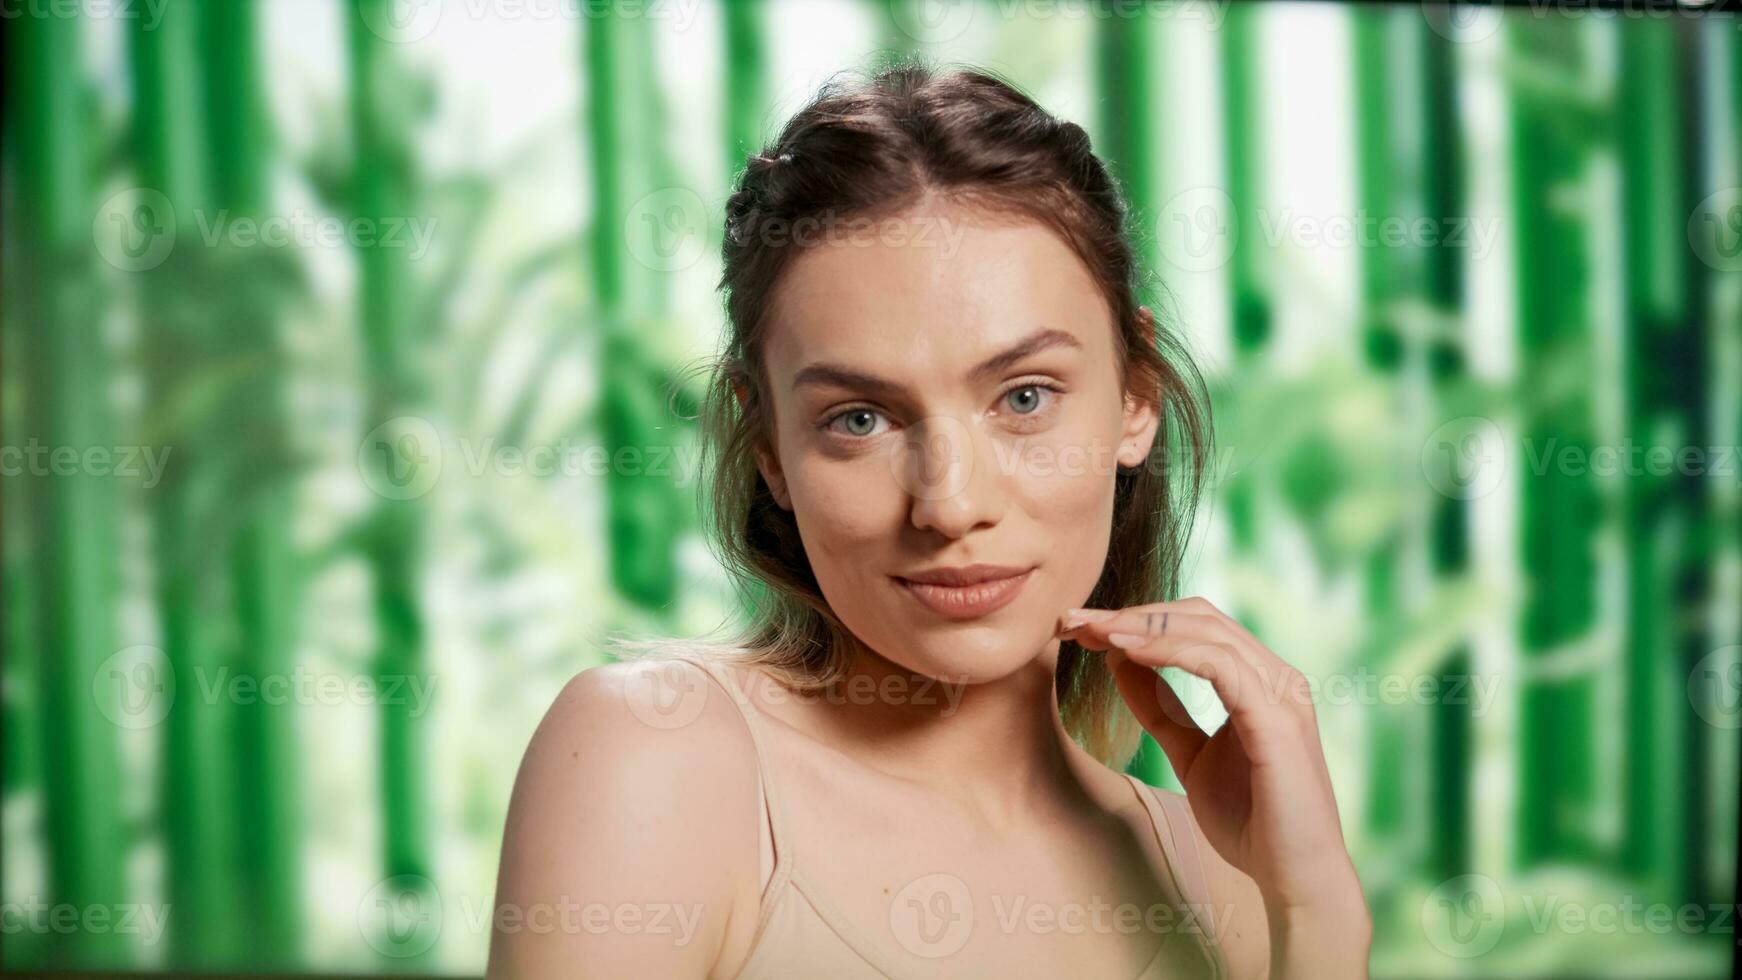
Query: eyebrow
[844, 377]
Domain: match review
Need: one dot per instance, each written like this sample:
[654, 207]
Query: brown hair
[871, 146]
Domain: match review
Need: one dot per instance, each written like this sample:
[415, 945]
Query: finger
[1235, 681]
[1151, 613]
[1282, 684]
[1264, 658]
[1159, 710]
[1160, 623]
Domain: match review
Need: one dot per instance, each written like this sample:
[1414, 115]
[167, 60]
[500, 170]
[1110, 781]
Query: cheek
[842, 509]
[1066, 483]
[1071, 498]
[1068, 471]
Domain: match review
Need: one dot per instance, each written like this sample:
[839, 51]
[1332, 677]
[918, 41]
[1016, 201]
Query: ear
[766, 462]
[1142, 416]
[769, 465]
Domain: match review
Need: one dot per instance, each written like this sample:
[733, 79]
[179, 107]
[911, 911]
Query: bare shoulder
[631, 831]
[1237, 904]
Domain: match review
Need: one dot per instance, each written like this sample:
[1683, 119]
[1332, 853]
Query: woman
[940, 426]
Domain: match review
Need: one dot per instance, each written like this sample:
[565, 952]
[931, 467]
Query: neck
[998, 747]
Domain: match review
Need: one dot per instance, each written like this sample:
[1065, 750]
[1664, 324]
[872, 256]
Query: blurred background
[344, 415]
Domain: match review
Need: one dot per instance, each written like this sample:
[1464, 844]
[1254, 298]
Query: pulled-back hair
[871, 145]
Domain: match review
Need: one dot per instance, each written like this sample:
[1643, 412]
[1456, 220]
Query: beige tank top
[799, 934]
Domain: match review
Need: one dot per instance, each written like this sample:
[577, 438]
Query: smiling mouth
[966, 601]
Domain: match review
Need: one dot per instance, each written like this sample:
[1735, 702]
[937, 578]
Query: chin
[971, 653]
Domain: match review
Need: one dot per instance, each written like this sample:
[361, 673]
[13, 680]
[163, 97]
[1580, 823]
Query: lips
[966, 593]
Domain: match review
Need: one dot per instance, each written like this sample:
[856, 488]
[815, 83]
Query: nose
[953, 487]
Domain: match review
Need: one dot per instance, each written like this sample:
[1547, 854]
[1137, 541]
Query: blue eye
[859, 421]
[1032, 402]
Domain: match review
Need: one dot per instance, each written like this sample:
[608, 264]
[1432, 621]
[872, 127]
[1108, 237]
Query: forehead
[935, 287]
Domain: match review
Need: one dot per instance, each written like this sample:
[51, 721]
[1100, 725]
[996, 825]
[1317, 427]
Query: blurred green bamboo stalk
[169, 148]
[1696, 552]
[384, 188]
[1452, 722]
[72, 527]
[1248, 283]
[634, 195]
[1387, 806]
[263, 570]
[1554, 133]
[1656, 307]
[746, 97]
[1408, 166]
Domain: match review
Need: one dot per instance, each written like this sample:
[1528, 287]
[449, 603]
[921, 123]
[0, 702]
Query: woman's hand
[1259, 786]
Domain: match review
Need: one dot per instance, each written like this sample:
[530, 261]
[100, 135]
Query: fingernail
[1126, 641]
[1077, 617]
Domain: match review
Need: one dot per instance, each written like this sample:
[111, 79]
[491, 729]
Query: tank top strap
[1171, 817]
[773, 817]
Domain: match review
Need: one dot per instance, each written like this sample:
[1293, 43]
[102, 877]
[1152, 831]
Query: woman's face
[945, 395]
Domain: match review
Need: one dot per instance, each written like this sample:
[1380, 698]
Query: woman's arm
[1259, 942]
[1238, 908]
[1259, 787]
[631, 831]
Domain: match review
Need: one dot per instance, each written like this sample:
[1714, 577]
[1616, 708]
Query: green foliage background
[380, 286]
